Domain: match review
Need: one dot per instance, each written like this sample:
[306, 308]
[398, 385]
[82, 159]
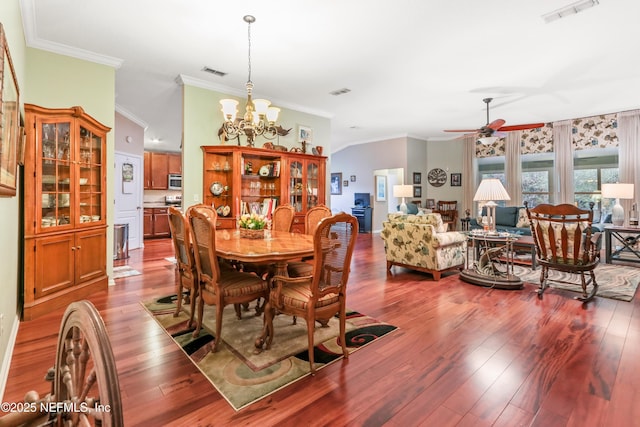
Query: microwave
[175, 181]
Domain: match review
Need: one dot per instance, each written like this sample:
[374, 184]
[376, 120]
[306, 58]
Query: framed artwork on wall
[431, 204]
[417, 191]
[353, 178]
[336, 183]
[456, 179]
[417, 178]
[345, 183]
[305, 133]
[9, 120]
[381, 188]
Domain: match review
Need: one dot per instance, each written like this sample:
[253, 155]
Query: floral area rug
[614, 281]
[236, 371]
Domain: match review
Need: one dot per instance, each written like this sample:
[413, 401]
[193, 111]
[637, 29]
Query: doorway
[128, 196]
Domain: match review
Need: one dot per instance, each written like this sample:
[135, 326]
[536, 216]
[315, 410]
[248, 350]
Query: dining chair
[564, 242]
[185, 262]
[219, 287]
[323, 294]
[311, 221]
[282, 218]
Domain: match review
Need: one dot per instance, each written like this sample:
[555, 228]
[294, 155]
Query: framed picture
[336, 183]
[417, 178]
[10, 121]
[417, 191]
[456, 179]
[431, 204]
[305, 133]
[345, 183]
[381, 188]
[353, 178]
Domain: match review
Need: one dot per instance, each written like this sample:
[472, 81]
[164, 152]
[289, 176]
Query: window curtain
[629, 153]
[563, 148]
[513, 168]
[470, 173]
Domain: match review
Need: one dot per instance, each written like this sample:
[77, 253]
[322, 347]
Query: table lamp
[403, 191]
[490, 190]
[617, 191]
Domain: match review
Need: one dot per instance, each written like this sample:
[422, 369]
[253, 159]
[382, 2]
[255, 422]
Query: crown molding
[129, 115]
[32, 40]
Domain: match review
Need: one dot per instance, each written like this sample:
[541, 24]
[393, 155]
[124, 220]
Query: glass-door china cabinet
[65, 193]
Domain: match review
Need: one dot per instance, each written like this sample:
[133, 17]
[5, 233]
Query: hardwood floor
[464, 355]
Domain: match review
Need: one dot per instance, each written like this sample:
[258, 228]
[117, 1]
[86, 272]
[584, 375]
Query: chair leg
[265, 339]
[343, 335]
[544, 275]
[179, 295]
[586, 297]
[219, 309]
[196, 332]
[311, 327]
[192, 304]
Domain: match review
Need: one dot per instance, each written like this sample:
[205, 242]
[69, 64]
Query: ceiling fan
[489, 130]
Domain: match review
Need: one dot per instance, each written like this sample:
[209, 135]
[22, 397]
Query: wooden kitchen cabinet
[65, 249]
[175, 163]
[158, 166]
[156, 222]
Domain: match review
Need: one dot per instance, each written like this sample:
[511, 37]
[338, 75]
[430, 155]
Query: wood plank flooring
[464, 356]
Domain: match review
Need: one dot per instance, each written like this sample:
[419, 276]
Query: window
[537, 178]
[493, 167]
[592, 168]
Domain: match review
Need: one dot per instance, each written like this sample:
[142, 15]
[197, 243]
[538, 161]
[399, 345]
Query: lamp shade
[490, 189]
[403, 191]
[488, 140]
[617, 191]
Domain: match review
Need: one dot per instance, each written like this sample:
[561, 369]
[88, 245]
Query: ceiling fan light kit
[259, 118]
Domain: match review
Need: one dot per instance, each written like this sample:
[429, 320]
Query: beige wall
[124, 128]
[202, 119]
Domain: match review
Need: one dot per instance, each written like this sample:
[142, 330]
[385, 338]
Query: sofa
[422, 242]
[512, 219]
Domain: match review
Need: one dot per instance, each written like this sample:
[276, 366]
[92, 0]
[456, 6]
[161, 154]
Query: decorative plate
[437, 177]
[226, 211]
[264, 171]
[216, 188]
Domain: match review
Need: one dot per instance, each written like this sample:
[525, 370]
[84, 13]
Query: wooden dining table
[277, 248]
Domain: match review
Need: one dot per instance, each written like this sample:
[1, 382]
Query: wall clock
[437, 177]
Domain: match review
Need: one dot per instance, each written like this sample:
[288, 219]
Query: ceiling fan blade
[496, 124]
[521, 127]
[462, 130]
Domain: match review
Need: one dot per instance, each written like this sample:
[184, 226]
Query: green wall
[202, 119]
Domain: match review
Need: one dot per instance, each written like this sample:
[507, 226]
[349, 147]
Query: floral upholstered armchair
[422, 242]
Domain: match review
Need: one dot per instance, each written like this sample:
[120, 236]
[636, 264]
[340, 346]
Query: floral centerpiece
[252, 226]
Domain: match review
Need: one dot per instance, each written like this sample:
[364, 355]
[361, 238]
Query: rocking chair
[564, 242]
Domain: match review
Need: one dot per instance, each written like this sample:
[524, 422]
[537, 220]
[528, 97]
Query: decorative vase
[248, 233]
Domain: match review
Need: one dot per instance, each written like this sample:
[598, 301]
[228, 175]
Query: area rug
[614, 281]
[236, 371]
[124, 271]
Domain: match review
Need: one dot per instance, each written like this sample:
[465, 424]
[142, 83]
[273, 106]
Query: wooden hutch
[237, 179]
[64, 208]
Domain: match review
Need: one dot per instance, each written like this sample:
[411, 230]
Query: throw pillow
[523, 219]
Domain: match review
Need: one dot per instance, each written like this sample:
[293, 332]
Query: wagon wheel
[86, 381]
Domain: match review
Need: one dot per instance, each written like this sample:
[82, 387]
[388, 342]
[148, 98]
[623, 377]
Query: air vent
[340, 91]
[215, 72]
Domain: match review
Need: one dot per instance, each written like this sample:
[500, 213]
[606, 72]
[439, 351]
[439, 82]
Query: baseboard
[7, 356]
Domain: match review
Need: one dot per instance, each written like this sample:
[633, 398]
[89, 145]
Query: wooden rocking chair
[564, 242]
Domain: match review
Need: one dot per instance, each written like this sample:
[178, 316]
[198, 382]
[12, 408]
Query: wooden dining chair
[323, 294]
[219, 287]
[564, 242]
[185, 262]
[311, 221]
[282, 218]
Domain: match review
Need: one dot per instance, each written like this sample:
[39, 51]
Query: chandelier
[259, 118]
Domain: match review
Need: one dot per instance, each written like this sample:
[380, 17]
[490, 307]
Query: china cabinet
[247, 179]
[64, 207]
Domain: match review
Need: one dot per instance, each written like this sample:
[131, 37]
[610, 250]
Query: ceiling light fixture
[259, 117]
[568, 10]
[488, 140]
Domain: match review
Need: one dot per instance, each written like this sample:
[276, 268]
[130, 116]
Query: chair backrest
[181, 239]
[333, 241]
[313, 217]
[282, 218]
[202, 223]
[562, 234]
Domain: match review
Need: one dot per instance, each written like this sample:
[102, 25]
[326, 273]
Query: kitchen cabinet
[64, 208]
[158, 166]
[240, 179]
[156, 222]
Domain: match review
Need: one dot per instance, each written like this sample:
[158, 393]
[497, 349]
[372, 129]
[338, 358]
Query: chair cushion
[298, 296]
[236, 283]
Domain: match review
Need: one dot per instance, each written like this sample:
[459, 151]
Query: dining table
[277, 248]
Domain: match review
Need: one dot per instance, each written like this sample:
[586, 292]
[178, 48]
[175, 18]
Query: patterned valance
[588, 132]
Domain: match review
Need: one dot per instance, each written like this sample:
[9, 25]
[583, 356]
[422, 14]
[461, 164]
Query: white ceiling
[414, 67]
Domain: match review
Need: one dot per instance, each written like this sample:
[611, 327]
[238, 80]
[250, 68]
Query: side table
[481, 273]
[626, 241]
